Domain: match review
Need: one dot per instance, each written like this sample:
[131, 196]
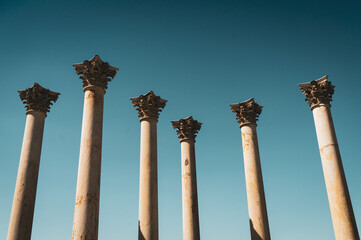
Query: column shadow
[140, 234]
[254, 234]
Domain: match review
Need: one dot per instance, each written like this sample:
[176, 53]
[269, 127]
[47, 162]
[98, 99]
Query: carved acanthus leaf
[318, 92]
[95, 72]
[148, 105]
[247, 112]
[187, 128]
[37, 98]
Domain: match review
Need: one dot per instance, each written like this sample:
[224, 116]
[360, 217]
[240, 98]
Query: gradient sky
[201, 56]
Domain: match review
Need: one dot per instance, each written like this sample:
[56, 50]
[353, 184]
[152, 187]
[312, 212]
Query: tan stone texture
[95, 75]
[247, 114]
[21, 219]
[187, 130]
[343, 218]
[319, 95]
[148, 183]
[255, 191]
[189, 192]
[148, 107]
[86, 213]
[37, 102]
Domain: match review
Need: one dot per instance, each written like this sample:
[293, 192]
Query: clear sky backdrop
[201, 56]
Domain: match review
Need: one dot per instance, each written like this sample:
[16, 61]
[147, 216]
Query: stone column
[247, 114]
[38, 101]
[96, 75]
[148, 106]
[319, 95]
[187, 130]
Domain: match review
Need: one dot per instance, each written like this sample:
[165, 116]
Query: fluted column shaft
[189, 192]
[148, 183]
[343, 218]
[22, 212]
[86, 213]
[255, 191]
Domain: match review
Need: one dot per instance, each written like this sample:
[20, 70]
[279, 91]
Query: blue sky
[201, 56]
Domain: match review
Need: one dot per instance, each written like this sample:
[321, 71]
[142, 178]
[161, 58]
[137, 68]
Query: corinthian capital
[95, 72]
[247, 112]
[318, 92]
[187, 128]
[148, 105]
[37, 98]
